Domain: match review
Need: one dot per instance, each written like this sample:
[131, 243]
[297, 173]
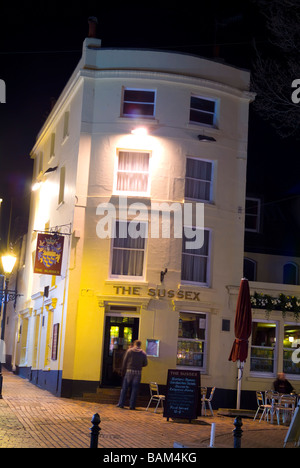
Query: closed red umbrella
[242, 329]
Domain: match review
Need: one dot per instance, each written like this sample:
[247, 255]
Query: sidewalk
[34, 418]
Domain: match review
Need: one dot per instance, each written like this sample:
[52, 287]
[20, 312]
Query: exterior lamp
[206, 138]
[140, 131]
[8, 262]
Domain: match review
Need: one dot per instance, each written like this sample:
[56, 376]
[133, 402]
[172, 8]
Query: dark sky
[41, 43]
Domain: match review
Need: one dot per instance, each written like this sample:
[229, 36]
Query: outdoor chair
[262, 405]
[286, 406]
[208, 401]
[155, 395]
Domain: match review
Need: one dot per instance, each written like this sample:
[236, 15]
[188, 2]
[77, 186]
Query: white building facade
[137, 140]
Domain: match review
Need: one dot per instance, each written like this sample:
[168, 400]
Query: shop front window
[291, 351]
[191, 348]
[263, 347]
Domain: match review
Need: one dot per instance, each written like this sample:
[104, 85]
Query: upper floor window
[198, 180]
[195, 262]
[138, 103]
[250, 269]
[128, 249]
[133, 172]
[203, 111]
[290, 273]
[252, 214]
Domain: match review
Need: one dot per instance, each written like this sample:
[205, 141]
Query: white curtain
[128, 253]
[133, 171]
[198, 179]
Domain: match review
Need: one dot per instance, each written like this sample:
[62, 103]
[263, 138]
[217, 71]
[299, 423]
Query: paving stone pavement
[34, 418]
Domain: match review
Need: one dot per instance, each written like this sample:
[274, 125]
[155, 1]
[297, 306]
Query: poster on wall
[49, 252]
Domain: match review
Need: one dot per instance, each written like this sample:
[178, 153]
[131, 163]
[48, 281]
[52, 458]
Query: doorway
[120, 332]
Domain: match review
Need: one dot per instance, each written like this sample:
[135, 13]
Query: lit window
[203, 111]
[191, 347]
[263, 347]
[133, 172]
[198, 180]
[128, 249]
[195, 262]
[291, 344]
[138, 103]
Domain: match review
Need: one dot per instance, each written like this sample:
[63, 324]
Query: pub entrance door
[120, 332]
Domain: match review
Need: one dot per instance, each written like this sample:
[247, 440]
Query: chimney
[93, 21]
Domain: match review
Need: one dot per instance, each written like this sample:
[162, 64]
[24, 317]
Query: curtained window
[133, 172]
[198, 180]
[128, 253]
[195, 262]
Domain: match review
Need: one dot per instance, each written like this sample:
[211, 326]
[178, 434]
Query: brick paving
[34, 418]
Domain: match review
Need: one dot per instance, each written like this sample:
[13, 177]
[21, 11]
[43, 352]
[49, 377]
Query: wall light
[206, 138]
[140, 131]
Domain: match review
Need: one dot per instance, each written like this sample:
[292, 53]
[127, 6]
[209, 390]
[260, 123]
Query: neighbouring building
[147, 136]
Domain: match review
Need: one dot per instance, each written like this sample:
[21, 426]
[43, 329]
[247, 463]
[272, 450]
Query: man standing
[134, 359]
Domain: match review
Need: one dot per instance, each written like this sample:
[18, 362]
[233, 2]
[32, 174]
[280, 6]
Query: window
[62, 180]
[133, 172]
[66, 125]
[195, 262]
[198, 180]
[128, 250]
[252, 214]
[191, 347]
[291, 344]
[263, 347]
[52, 146]
[138, 103]
[203, 111]
[290, 273]
[250, 269]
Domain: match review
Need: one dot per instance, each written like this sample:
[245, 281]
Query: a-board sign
[293, 433]
[182, 394]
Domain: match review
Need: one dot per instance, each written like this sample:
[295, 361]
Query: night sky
[41, 43]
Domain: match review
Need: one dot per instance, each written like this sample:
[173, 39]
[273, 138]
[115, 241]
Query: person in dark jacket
[282, 385]
[134, 360]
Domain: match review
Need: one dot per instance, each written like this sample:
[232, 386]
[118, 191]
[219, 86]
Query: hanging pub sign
[48, 257]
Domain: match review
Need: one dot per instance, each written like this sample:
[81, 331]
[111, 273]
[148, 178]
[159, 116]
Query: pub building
[142, 134]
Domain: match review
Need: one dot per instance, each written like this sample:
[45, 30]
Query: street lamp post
[8, 262]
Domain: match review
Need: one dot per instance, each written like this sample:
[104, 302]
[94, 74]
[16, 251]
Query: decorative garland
[282, 302]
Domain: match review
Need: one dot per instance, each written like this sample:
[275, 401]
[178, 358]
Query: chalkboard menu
[182, 394]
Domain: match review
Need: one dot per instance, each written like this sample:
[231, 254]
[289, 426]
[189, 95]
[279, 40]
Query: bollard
[95, 429]
[212, 435]
[237, 432]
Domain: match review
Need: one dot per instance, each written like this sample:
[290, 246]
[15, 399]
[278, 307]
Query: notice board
[182, 394]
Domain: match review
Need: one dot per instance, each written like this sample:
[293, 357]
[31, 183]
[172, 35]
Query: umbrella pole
[239, 384]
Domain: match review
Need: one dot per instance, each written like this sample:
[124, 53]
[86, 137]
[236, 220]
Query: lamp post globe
[8, 263]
